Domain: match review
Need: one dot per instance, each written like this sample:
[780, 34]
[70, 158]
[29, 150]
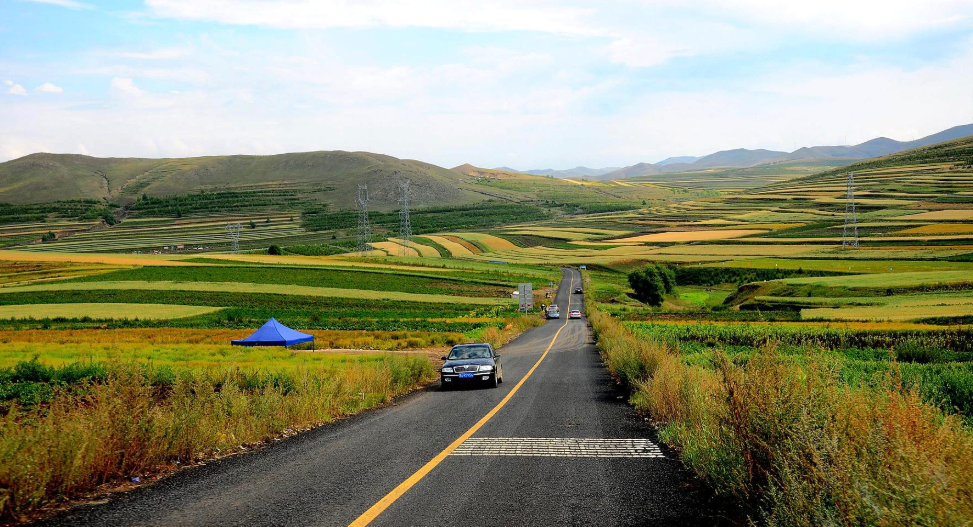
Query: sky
[521, 83]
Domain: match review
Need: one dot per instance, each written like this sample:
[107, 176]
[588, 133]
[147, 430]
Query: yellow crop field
[104, 311]
[905, 311]
[693, 236]
[424, 251]
[888, 279]
[456, 249]
[491, 242]
[940, 228]
[739, 250]
[395, 249]
[762, 226]
[941, 215]
[327, 261]
[569, 233]
[106, 259]
[470, 246]
[240, 287]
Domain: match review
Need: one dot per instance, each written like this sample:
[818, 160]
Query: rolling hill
[327, 177]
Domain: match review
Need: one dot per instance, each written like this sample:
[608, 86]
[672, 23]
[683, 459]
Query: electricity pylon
[850, 238]
[233, 229]
[364, 228]
[405, 223]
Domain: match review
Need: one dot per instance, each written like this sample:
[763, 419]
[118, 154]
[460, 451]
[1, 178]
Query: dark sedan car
[472, 363]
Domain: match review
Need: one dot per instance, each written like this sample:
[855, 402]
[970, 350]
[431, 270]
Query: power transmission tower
[850, 238]
[364, 228]
[233, 229]
[405, 224]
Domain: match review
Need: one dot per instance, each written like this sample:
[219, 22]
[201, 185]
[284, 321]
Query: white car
[574, 314]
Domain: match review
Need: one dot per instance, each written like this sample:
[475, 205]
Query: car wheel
[500, 380]
[494, 381]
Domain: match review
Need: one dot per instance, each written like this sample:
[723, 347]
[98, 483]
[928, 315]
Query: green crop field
[103, 311]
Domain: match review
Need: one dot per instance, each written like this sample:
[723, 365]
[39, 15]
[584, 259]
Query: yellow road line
[404, 487]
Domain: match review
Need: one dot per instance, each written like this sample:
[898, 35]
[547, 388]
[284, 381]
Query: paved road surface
[563, 450]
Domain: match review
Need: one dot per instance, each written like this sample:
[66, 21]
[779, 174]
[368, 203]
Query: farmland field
[103, 311]
[762, 299]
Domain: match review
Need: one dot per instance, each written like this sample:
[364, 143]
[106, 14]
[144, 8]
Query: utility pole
[364, 229]
[405, 223]
[850, 238]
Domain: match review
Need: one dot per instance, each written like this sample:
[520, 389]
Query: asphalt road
[564, 449]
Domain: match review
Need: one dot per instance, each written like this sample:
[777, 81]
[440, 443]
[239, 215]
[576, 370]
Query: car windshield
[470, 352]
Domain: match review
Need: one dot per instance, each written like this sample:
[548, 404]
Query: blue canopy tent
[274, 333]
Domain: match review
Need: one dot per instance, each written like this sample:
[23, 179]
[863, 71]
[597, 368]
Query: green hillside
[325, 177]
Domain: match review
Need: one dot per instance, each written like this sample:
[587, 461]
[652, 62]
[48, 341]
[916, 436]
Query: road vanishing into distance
[555, 444]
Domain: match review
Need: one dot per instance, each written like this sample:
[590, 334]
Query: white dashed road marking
[557, 447]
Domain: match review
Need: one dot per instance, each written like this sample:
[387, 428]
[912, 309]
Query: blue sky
[528, 84]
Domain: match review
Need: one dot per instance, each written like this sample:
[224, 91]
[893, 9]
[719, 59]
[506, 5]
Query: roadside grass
[793, 442]
[131, 420]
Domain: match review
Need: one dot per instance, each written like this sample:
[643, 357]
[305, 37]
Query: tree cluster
[652, 283]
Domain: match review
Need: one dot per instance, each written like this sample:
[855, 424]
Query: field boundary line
[375, 510]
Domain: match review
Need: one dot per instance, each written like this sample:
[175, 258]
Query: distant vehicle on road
[583, 266]
[552, 306]
[472, 363]
[553, 312]
[578, 290]
[574, 314]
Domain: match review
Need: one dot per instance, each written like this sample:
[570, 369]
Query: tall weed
[796, 444]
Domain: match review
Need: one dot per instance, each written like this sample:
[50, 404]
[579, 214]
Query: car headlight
[486, 368]
[447, 370]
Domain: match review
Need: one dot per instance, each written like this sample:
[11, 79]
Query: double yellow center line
[404, 487]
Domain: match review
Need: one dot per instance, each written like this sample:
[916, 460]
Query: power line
[850, 238]
[364, 228]
[405, 223]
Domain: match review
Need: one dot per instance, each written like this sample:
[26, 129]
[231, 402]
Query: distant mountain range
[742, 157]
[569, 173]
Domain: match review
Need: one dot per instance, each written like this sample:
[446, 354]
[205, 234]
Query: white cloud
[847, 20]
[15, 89]
[125, 87]
[47, 87]
[681, 38]
[155, 54]
[70, 4]
[467, 15]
